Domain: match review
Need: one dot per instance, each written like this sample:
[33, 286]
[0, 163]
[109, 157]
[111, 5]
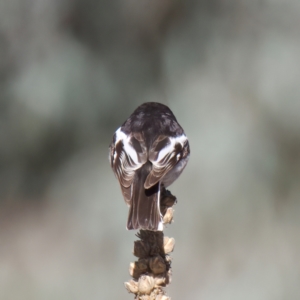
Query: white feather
[121, 136]
[169, 148]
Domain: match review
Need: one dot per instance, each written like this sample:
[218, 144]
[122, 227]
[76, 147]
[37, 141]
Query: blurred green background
[72, 71]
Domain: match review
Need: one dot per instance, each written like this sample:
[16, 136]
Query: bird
[147, 154]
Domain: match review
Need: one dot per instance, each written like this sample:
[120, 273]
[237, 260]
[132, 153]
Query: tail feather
[144, 211]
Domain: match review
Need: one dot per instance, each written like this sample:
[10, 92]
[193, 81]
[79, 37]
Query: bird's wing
[127, 154]
[164, 154]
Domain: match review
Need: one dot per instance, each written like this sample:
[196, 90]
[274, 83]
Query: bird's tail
[144, 211]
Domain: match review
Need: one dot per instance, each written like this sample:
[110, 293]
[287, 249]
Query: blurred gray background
[72, 71]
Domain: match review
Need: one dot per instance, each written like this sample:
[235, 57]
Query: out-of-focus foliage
[72, 71]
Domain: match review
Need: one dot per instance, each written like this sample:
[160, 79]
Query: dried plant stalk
[152, 271]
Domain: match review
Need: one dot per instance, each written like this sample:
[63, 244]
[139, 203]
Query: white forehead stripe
[121, 136]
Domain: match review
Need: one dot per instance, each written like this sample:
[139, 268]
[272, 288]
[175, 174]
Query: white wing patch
[170, 148]
[121, 136]
[181, 139]
[125, 159]
[164, 155]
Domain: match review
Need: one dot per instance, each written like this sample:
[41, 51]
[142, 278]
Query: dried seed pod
[159, 281]
[162, 297]
[157, 265]
[168, 217]
[146, 284]
[131, 286]
[169, 244]
[138, 267]
[168, 259]
[132, 269]
[141, 249]
[142, 264]
[167, 199]
[169, 277]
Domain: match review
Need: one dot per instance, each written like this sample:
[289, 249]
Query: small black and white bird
[148, 152]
